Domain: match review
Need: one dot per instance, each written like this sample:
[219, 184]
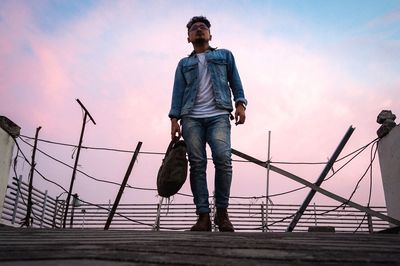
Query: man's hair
[198, 19]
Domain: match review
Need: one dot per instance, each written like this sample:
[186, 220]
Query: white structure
[389, 159]
[8, 130]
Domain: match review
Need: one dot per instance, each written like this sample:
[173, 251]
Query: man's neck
[201, 48]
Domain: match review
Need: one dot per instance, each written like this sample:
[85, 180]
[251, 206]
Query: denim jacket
[224, 77]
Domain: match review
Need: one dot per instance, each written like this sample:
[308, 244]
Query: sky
[310, 70]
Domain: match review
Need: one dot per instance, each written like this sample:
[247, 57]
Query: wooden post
[75, 203]
[157, 223]
[315, 215]
[16, 200]
[87, 114]
[320, 179]
[370, 226]
[43, 208]
[317, 188]
[123, 185]
[27, 219]
[263, 223]
[55, 214]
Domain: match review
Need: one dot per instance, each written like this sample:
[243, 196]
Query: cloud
[119, 60]
[390, 18]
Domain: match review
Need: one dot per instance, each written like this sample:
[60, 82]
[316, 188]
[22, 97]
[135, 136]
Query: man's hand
[175, 128]
[240, 114]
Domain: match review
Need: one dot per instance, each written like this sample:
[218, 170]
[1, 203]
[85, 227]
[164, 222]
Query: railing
[48, 211]
[245, 217]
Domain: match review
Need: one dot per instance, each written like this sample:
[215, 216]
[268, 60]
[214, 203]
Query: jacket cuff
[241, 100]
[172, 116]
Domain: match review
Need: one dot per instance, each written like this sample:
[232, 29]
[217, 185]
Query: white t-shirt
[205, 105]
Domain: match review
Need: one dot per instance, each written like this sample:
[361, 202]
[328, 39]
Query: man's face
[199, 33]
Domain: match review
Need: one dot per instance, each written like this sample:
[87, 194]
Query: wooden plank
[195, 248]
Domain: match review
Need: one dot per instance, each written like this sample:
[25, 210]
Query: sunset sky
[310, 69]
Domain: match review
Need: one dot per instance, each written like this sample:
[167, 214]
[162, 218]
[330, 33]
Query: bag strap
[171, 145]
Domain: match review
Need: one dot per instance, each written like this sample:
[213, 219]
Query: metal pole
[123, 185]
[27, 219]
[267, 188]
[317, 188]
[77, 158]
[320, 179]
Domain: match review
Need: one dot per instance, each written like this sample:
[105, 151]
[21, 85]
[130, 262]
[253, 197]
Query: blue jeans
[216, 131]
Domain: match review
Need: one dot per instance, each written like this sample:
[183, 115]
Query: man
[202, 100]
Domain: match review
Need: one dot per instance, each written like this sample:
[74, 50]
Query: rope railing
[352, 154]
[128, 219]
[245, 217]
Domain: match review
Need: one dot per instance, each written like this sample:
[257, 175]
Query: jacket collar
[209, 49]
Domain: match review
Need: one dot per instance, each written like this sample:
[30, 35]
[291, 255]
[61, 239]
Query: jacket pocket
[190, 73]
[221, 68]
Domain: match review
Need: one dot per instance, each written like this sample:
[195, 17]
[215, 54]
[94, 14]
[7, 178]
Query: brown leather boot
[203, 223]
[222, 220]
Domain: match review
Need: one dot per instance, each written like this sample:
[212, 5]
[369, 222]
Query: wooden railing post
[370, 226]
[44, 208]
[263, 223]
[16, 200]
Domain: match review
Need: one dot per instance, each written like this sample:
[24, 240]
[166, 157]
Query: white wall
[6, 151]
[389, 159]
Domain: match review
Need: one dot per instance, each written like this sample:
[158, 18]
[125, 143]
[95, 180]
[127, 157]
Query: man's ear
[210, 37]
[188, 39]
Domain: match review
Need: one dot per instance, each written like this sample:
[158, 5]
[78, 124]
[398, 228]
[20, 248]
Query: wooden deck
[128, 247]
